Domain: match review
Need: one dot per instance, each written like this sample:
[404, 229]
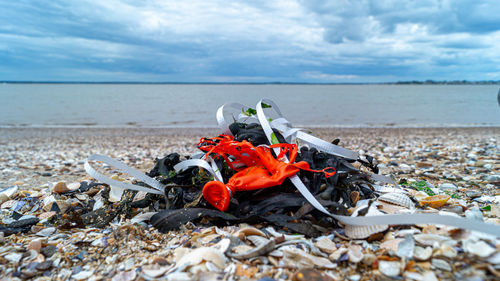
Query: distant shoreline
[426, 82]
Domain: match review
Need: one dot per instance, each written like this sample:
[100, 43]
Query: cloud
[289, 41]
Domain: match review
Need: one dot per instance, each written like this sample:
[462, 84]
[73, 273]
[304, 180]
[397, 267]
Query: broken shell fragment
[422, 254]
[436, 201]
[247, 231]
[326, 245]
[199, 255]
[62, 187]
[389, 268]
[301, 259]
[355, 253]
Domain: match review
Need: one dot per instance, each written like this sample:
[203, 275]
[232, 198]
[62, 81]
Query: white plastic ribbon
[208, 165]
[158, 187]
[416, 218]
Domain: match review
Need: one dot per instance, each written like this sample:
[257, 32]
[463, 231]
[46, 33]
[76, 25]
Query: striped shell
[399, 199]
[361, 232]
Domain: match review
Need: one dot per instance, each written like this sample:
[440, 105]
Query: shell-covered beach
[463, 163]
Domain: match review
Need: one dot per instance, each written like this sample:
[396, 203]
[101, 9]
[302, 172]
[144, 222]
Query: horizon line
[260, 83]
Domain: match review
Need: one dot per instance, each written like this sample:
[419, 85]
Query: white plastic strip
[379, 220]
[159, 188]
[221, 120]
[213, 170]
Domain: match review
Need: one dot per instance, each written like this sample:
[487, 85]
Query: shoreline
[47, 132]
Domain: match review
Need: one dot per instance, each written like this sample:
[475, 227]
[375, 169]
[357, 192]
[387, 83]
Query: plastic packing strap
[208, 165]
[416, 218]
[158, 188]
[221, 120]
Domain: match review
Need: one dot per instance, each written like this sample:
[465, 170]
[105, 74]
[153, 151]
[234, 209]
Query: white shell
[360, 232]
[478, 248]
[389, 268]
[422, 254]
[355, 253]
[399, 199]
[199, 255]
[301, 259]
[326, 245]
[247, 231]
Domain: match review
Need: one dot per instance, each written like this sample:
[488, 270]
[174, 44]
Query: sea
[195, 105]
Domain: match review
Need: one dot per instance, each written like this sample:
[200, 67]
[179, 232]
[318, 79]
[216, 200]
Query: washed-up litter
[234, 225]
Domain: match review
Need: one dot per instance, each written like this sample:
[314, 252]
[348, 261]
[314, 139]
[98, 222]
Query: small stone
[44, 265]
[18, 183]
[48, 251]
[441, 264]
[35, 245]
[406, 247]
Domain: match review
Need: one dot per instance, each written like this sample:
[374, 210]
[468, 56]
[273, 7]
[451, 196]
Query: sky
[249, 41]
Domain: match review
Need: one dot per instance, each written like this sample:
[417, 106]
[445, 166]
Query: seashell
[82, 196]
[478, 248]
[391, 245]
[386, 189]
[326, 245]
[446, 251]
[222, 245]
[360, 232]
[82, 275]
[125, 276]
[199, 255]
[433, 240]
[208, 238]
[62, 187]
[47, 202]
[399, 199]
[3, 198]
[243, 248]
[14, 257]
[115, 193]
[139, 196]
[179, 253]
[313, 249]
[154, 270]
[389, 268]
[9, 192]
[355, 253]
[263, 246]
[142, 217]
[247, 231]
[354, 197]
[337, 254]
[301, 259]
[9, 204]
[436, 201]
[422, 254]
[286, 236]
[46, 232]
[441, 264]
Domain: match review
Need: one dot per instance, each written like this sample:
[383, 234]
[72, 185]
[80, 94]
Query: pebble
[46, 232]
[35, 245]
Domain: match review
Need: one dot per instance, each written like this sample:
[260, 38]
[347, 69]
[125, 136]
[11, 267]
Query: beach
[464, 161]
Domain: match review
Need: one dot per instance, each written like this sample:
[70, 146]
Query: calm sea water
[137, 105]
